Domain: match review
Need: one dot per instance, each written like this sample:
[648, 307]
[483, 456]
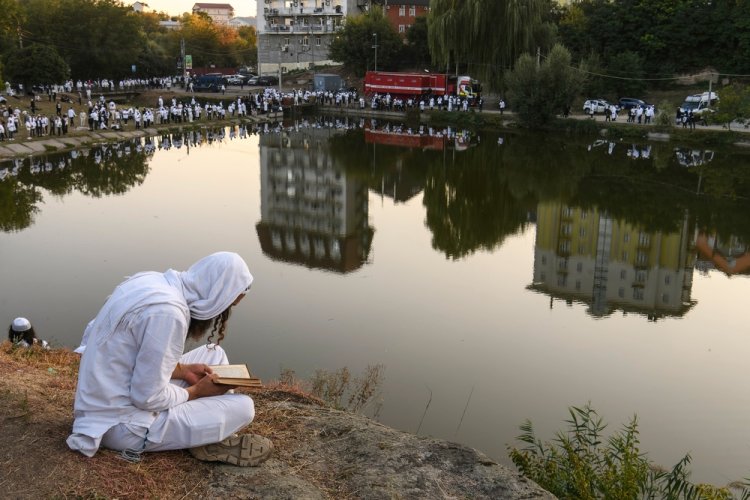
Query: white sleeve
[162, 341]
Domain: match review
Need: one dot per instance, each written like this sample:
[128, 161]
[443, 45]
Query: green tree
[734, 105]
[417, 46]
[97, 38]
[486, 35]
[627, 67]
[353, 46]
[539, 92]
[36, 64]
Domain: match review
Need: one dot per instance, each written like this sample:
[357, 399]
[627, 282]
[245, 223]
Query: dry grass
[36, 410]
[36, 415]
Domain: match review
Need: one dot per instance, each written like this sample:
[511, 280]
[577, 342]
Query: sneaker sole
[247, 450]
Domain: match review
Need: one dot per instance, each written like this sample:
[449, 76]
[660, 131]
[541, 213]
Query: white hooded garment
[133, 345]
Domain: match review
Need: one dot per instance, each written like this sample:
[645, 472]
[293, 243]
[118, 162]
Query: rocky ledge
[334, 454]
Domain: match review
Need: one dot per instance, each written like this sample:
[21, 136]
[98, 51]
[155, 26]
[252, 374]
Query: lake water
[497, 277]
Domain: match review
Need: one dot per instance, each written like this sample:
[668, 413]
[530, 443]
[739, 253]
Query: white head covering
[21, 325]
[207, 288]
[213, 283]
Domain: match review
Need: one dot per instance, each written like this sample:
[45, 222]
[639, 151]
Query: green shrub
[581, 464]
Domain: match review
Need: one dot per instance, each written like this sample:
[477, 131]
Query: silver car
[597, 105]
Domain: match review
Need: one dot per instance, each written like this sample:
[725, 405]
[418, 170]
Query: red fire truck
[421, 84]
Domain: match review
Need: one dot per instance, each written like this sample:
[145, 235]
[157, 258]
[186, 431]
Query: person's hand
[192, 373]
[206, 387]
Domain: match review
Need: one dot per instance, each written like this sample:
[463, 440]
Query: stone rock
[368, 461]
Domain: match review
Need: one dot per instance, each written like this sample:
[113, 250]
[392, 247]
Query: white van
[699, 103]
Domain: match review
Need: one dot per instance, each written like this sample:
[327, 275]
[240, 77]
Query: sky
[242, 8]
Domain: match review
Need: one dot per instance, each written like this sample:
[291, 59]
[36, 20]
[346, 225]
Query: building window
[401, 28]
[626, 238]
[582, 232]
[402, 10]
[578, 285]
[412, 11]
[561, 280]
[579, 267]
[638, 293]
[305, 42]
[566, 229]
[667, 279]
[544, 259]
[623, 274]
[641, 258]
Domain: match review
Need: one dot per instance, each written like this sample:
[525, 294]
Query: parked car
[597, 105]
[632, 102]
[235, 79]
[265, 81]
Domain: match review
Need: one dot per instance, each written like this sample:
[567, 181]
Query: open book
[235, 375]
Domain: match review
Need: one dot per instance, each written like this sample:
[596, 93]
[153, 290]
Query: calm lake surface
[496, 277]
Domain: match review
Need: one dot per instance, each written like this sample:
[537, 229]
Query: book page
[231, 371]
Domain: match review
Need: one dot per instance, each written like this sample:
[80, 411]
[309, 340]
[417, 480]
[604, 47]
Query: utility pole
[375, 46]
[182, 58]
[282, 49]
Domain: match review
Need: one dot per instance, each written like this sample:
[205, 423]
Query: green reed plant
[580, 463]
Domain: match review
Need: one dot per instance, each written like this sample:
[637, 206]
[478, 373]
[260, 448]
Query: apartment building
[219, 12]
[586, 256]
[402, 13]
[296, 34]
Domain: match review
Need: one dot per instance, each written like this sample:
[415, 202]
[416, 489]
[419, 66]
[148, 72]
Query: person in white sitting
[137, 392]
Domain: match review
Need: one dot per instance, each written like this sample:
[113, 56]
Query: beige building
[587, 256]
[219, 12]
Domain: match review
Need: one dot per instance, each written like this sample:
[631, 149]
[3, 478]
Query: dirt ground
[36, 415]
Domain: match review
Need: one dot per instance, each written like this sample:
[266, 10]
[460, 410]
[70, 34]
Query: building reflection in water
[586, 256]
[312, 212]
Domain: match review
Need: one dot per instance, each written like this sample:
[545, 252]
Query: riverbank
[80, 136]
[320, 453]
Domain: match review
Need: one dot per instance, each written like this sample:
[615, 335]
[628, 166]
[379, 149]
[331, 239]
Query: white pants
[193, 423]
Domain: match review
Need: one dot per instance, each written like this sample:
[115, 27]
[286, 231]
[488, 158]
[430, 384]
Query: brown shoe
[245, 450]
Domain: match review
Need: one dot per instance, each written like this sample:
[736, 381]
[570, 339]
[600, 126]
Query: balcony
[304, 11]
[301, 29]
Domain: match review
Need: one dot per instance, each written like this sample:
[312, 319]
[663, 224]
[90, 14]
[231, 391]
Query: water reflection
[730, 256]
[587, 256]
[312, 212]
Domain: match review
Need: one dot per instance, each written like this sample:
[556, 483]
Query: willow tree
[486, 35]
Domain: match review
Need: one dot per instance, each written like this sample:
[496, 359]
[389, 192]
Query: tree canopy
[354, 45]
[486, 35]
[539, 92]
[36, 64]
